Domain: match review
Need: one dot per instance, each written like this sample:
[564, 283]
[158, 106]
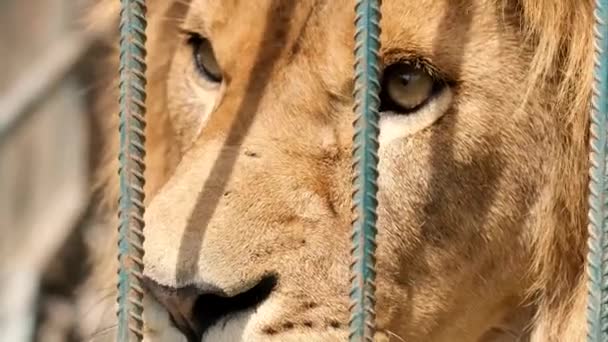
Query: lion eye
[204, 58]
[406, 88]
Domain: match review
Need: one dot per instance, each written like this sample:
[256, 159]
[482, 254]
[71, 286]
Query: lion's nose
[193, 310]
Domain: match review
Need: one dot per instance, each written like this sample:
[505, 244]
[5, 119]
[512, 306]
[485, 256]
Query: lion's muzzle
[194, 311]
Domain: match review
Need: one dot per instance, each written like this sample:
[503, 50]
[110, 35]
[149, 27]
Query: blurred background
[47, 150]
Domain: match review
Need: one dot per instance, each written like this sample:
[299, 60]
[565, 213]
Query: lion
[482, 171]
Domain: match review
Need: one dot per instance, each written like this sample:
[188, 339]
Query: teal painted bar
[365, 174]
[131, 172]
[597, 309]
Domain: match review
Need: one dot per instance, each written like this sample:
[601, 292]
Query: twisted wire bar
[597, 258]
[365, 173]
[131, 171]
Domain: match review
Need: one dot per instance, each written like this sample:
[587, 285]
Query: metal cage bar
[365, 173]
[597, 262]
[131, 172]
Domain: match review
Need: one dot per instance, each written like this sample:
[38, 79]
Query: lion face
[249, 239]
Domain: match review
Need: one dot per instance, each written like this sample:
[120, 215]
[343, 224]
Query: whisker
[98, 301]
[177, 20]
[182, 2]
[102, 332]
[392, 334]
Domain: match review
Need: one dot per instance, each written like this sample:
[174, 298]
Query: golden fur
[482, 214]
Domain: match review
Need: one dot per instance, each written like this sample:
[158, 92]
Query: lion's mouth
[194, 313]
